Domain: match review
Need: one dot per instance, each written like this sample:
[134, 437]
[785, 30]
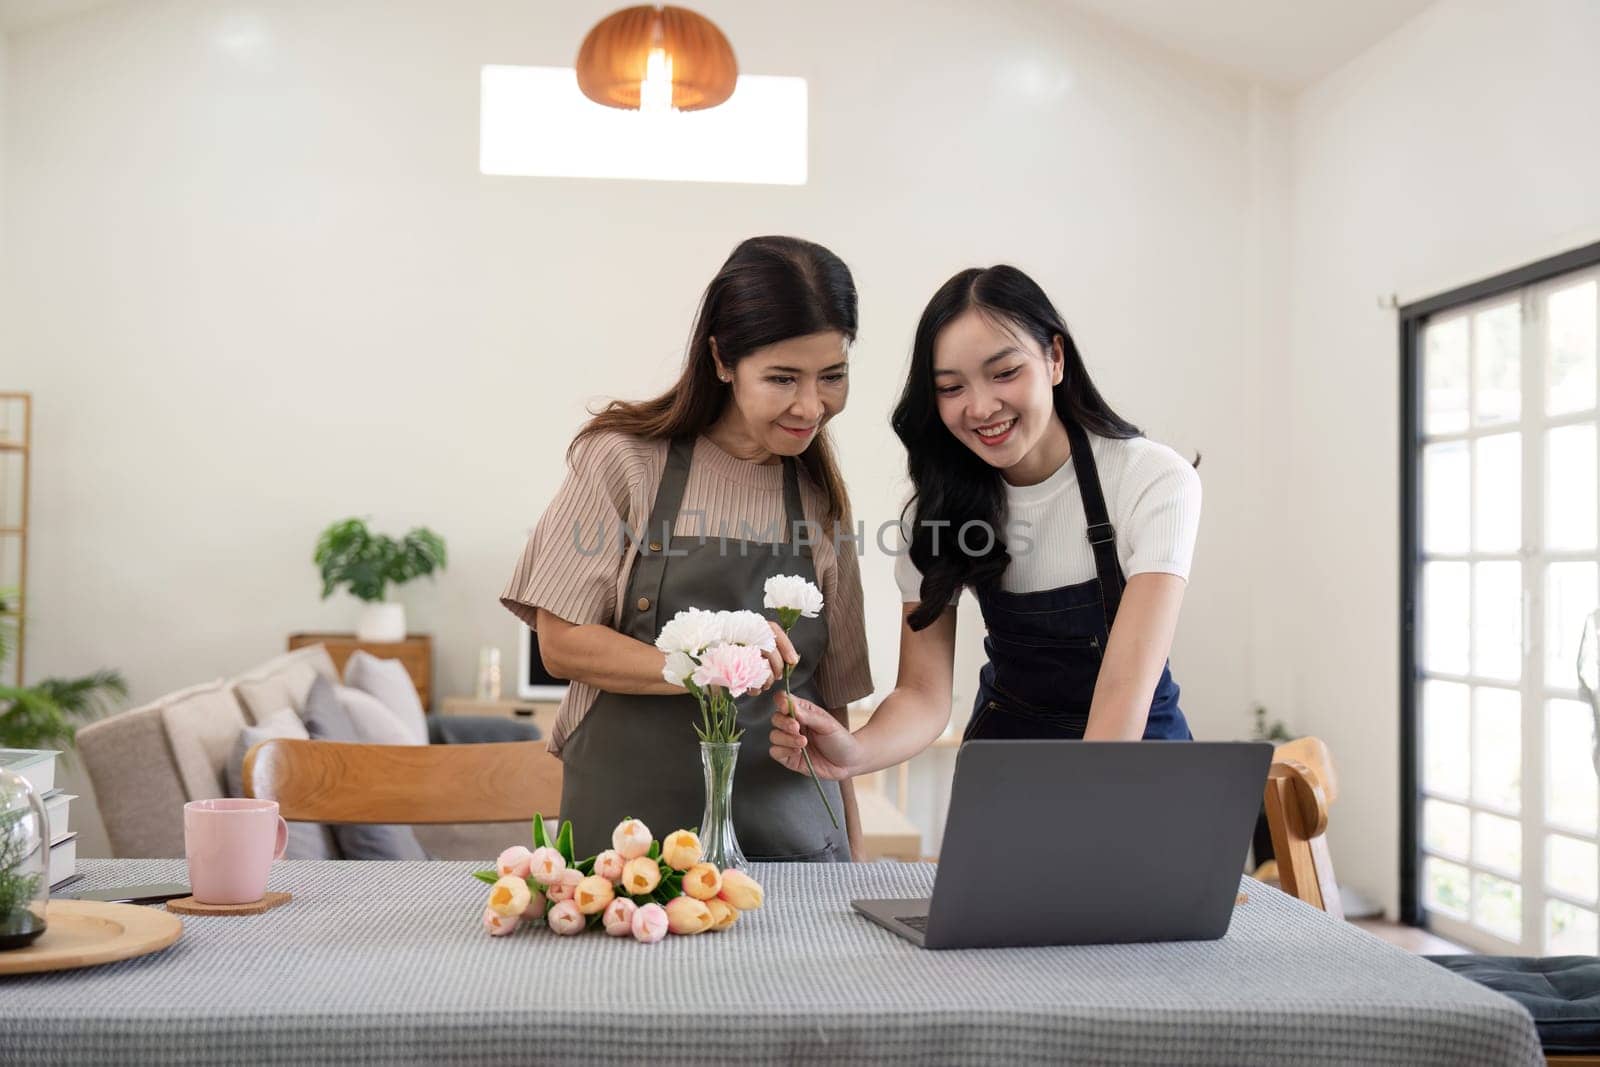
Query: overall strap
[1102, 535]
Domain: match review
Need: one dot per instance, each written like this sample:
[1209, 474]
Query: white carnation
[691, 631]
[747, 628]
[679, 666]
[794, 593]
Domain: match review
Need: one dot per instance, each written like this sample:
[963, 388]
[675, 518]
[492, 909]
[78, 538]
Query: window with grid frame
[1503, 571]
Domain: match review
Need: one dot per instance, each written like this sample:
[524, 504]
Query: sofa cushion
[307, 840]
[202, 723]
[326, 720]
[374, 722]
[283, 681]
[136, 783]
[387, 680]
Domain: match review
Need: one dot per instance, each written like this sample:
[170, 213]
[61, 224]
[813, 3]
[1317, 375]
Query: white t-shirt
[1152, 493]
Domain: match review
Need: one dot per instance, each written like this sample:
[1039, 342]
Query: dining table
[388, 962]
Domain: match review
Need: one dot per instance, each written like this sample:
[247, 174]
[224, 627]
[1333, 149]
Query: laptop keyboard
[919, 923]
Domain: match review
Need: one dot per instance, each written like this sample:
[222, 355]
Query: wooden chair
[1300, 787]
[333, 782]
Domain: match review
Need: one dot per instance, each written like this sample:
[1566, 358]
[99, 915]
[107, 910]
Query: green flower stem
[788, 669]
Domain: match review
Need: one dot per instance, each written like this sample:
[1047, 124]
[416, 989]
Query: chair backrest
[333, 782]
[1300, 786]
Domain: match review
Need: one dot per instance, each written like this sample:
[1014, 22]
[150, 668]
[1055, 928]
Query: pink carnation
[736, 668]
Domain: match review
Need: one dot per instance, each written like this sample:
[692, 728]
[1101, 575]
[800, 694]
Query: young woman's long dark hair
[770, 289]
[952, 486]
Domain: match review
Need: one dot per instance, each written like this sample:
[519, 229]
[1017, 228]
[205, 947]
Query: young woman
[1073, 530]
[694, 499]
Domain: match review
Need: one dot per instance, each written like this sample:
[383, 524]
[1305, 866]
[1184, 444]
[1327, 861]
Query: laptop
[1087, 843]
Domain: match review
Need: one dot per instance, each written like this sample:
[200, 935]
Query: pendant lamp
[656, 58]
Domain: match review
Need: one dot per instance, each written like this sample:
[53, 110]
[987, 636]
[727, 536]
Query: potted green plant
[351, 555]
[41, 715]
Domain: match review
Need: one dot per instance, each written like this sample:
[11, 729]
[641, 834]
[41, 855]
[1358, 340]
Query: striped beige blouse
[570, 570]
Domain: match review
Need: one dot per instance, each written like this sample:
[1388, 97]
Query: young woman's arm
[614, 662]
[905, 722]
[1141, 640]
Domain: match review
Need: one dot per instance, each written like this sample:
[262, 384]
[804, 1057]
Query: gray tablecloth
[386, 962]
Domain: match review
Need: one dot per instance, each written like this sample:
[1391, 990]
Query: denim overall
[637, 756]
[1045, 648]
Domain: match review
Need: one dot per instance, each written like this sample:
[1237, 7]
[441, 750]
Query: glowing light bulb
[655, 92]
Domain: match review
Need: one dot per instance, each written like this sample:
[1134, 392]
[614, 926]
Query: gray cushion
[307, 840]
[387, 680]
[479, 729]
[373, 721]
[326, 720]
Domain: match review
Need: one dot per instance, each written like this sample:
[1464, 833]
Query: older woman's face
[786, 392]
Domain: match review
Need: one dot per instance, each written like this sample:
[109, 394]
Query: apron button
[655, 546]
[644, 603]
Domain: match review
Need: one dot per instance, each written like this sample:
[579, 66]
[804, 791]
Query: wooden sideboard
[415, 654]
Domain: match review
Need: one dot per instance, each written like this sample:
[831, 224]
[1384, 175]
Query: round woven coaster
[191, 906]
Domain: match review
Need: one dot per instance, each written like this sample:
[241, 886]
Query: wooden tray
[83, 933]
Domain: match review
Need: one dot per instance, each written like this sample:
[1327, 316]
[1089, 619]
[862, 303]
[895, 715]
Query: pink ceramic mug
[230, 845]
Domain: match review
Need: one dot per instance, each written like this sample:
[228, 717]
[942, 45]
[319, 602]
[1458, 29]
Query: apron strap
[794, 509]
[655, 541]
[1102, 535]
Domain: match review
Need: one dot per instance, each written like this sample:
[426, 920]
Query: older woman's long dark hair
[770, 289]
[952, 486]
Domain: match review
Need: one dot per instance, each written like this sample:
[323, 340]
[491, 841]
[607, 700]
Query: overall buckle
[1110, 533]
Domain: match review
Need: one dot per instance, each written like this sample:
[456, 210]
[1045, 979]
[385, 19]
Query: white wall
[257, 284]
[1461, 146]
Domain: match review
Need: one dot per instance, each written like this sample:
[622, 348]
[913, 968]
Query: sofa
[147, 762]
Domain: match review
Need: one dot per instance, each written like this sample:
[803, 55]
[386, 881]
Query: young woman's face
[994, 388]
[784, 393]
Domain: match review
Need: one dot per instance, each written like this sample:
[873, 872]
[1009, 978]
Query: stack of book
[38, 767]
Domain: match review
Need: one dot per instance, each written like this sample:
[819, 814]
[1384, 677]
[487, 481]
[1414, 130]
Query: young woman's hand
[833, 748]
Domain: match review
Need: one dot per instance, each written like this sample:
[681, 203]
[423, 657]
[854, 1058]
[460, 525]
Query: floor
[1411, 938]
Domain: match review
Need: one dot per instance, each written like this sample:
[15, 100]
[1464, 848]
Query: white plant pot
[382, 623]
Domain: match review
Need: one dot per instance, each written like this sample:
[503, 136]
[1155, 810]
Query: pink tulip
[736, 668]
[546, 865]
[686, 915]
[742, 891]
[650, 923]
[537, 903]
[514, 861]
[566, 919]
[498, 925]
[618, 917]
[509, 896]
[609, 864]
[681, 850]
[565, 885]
[641, 876]
[702, 881]
[631, 839]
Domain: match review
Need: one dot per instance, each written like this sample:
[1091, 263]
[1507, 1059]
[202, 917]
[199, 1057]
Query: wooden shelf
[12, 446]
[16, 531]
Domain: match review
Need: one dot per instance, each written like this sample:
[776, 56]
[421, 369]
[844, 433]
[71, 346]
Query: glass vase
[24, 862]
[717, 838]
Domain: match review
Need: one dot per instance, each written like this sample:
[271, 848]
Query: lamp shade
[615, 58]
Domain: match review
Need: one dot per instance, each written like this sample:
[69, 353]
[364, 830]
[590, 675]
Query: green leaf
[491, 877]
[655, 850]
[564, 842]
[539, 838]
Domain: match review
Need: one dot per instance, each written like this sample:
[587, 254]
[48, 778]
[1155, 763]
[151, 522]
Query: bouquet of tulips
[637, 887]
